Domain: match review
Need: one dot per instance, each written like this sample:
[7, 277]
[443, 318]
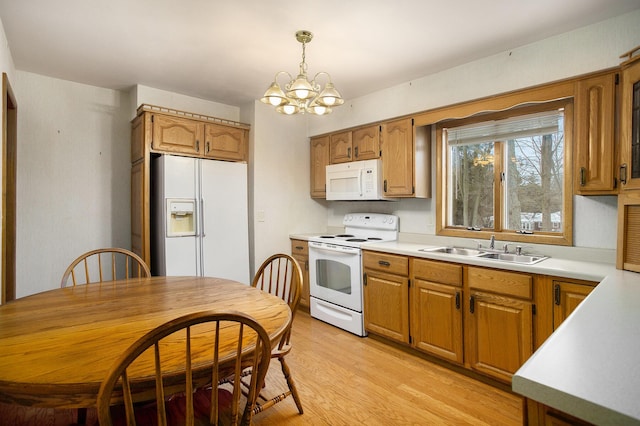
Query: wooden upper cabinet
[366, 143]
[397, 158]
[176, 134]
[595, 149]
[406, 159]
[225, 143]
[340, 149]
[319, 161]
[630, 123]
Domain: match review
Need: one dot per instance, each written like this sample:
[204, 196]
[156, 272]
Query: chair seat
[146, 413]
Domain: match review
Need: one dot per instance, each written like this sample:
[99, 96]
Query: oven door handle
[336, 249]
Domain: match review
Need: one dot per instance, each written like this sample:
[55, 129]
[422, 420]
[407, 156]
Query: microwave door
[345, 184]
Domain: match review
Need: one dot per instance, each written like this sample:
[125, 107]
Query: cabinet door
[300, 252]
[630, 125]
[340, 148]
[225, 143]
[500, 334]
[397, 158]
[386, 305]
[176, 134]
[628, 252]
[566, 297]
[436, 320]
[319, 162]
[594, 141]
[366, 143]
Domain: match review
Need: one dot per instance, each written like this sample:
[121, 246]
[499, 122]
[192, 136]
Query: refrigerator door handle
[202, 216]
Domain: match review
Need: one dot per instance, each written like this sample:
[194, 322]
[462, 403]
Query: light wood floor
[348, 380]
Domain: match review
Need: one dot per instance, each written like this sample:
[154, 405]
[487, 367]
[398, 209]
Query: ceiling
[229, 51]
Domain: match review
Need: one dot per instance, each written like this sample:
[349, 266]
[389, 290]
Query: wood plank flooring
[348, 380]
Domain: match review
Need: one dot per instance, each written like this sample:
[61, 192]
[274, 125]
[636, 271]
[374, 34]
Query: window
[506, 173]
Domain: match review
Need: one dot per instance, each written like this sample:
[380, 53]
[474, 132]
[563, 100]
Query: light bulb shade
[318, 109]
[288, 109]
[329, 96]
[301, 89]
[274, 96]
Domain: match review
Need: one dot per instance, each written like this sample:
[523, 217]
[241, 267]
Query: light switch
[260, 215]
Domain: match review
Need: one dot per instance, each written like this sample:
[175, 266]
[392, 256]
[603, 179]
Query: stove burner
[374, 239]
[327, 236]
[356, 240]
[345, 236]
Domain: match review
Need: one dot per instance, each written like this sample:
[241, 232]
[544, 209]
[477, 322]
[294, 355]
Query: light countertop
[590, 366]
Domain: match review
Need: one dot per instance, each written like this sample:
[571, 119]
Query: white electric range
[335, 268]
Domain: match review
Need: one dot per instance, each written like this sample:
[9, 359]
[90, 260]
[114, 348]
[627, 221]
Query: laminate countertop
[590, 366]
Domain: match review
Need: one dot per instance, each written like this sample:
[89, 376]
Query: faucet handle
[505, 248]
[519, 250]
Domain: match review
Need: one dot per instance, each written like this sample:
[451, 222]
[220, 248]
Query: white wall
[152, 96]
[577, 52]
[279, 164]
[73, 176]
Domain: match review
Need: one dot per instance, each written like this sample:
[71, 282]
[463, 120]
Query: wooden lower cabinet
[537, 414]
[498, 321]
[300, 252]
[436, 309]
[567, 296]
[386, 295]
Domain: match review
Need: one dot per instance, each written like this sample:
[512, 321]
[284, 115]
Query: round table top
[56, 347]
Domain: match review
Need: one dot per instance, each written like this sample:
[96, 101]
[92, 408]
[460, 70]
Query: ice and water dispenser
[181, 217]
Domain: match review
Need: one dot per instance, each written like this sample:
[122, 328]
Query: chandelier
[300, 94]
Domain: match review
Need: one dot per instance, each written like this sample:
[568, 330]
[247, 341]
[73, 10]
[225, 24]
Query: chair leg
[291, 384]
[82, 416]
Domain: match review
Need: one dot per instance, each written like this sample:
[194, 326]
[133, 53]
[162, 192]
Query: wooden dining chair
[281, 276]
[105, 264]
[237, 340]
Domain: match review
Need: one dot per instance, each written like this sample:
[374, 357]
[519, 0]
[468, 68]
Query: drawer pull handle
[299, 247]
[383, 263]
[457, 300]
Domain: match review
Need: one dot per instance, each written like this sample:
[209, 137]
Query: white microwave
[356, 180]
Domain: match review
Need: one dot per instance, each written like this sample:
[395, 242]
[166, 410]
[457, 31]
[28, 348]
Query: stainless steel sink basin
[514, 258]
[454, 250]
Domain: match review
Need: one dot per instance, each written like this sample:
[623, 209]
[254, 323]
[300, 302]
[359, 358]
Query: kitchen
[66, 116]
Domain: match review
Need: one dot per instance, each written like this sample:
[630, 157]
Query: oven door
[334, 274]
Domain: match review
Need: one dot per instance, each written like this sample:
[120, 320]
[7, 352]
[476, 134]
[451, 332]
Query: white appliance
[200, 218]
[335, 269]
[354, 181]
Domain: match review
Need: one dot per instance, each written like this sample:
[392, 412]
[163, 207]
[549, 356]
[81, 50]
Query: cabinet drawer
[507, 283]
[390, 263]
[299, 247]
[437, 272]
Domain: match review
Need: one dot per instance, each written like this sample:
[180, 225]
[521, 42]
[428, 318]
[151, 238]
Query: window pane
[534, 182]
[470, 190]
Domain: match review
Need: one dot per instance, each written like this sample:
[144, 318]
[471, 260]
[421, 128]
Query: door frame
[9, 173]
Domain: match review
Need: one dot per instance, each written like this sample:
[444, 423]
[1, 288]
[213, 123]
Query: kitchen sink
[523, 259]
[514, 258]
[454, 250]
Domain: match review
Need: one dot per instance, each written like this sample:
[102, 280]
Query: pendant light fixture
[300, 94]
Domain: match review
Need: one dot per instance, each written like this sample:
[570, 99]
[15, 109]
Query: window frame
[565, 237]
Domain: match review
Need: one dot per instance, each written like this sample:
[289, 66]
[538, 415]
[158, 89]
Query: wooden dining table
[56, 347]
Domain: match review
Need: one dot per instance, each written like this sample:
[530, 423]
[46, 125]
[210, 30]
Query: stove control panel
[371, 221]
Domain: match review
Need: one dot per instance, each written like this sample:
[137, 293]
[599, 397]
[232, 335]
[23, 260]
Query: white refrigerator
[200, 224]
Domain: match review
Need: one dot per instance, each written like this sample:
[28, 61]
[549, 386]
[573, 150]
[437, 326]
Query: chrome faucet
[492, 242]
